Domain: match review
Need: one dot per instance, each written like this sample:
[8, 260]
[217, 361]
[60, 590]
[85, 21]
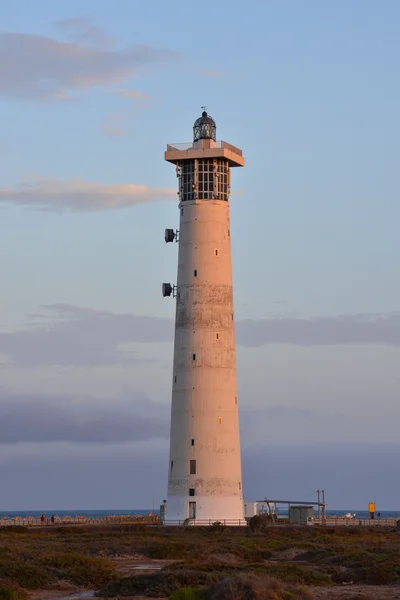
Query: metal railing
[330, 521]
[189, 146]
[207, 522]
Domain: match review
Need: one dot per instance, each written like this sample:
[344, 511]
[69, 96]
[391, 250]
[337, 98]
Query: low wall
[80, 520]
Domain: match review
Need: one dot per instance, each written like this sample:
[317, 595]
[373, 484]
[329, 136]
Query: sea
[361, 514]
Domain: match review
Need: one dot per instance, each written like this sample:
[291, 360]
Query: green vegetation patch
[187, 593]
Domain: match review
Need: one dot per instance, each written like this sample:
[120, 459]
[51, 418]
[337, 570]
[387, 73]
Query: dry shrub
[9, 590]
[361, 597]
[158, 585]
[289, 572]
[366, 569]
[71, 530]
[26, 574]
[226, 559]
[10, 529]
[80, 569]
[254, 587]
[260, 523]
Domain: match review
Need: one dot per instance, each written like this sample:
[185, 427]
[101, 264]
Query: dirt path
[132, 566]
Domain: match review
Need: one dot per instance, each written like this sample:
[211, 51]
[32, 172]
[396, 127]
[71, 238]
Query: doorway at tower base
[205, 510]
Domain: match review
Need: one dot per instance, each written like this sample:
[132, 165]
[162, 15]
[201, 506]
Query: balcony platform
[204, 149]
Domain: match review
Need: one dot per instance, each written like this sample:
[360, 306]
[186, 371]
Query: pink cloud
[211, 72]
[131, 94]
[38, 67]
[79, 195]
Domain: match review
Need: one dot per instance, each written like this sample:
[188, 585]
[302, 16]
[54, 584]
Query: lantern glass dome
[204, 128]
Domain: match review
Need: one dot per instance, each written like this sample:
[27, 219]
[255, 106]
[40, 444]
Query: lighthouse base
[205, 510]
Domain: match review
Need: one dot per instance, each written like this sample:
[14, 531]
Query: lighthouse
[204, 471]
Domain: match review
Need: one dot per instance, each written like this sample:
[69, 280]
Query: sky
[91, 92]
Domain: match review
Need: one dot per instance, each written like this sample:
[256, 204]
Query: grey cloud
[81, 337]
[38, 67]
[69, 335]
[79, 419]
[321, 331]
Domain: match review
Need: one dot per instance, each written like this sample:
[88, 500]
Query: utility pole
[319, 509]
[323, 507]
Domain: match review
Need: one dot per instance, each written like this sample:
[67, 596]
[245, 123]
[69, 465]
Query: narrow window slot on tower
[175, 379]
[217, 336]
[229, 233]
[193, 467]
[191, 492]
[172, 464]
[219, 420]
[235, 399]
[195, 273]
[194, 357]
[181, 211]
[240, 486]
[216, 252]
[192, 441]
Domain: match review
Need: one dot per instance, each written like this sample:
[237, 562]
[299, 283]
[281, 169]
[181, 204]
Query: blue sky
[91, 93]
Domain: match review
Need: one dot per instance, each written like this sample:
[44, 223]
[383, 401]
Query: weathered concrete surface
[204, 396]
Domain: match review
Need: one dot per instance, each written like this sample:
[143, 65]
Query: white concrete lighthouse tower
[205, 476]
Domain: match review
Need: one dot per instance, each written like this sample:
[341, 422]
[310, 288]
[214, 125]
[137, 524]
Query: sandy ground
[137, 566]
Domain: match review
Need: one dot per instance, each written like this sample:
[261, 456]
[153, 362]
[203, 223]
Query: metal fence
[155, 520]
[328, 522]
